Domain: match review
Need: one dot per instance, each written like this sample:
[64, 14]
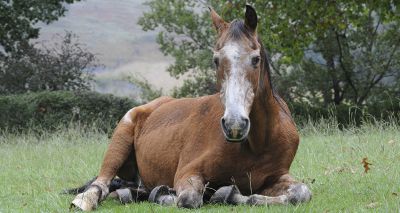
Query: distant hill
[109, 29]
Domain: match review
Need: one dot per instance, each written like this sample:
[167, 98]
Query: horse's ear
[218, 22]
[250, 20]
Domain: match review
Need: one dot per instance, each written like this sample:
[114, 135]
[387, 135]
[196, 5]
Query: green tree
[66, 65]
[18, 19]
[323, 51]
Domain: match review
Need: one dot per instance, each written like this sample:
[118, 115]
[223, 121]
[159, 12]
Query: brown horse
[243, 135]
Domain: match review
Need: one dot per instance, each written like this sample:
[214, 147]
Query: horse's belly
[157, 156]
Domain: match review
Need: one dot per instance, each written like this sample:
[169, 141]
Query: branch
[373, 37]
[346, 72]
[381, 75]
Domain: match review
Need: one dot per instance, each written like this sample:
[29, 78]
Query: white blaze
[237, 93]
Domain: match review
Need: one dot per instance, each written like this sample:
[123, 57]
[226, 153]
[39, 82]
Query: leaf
[366, 164]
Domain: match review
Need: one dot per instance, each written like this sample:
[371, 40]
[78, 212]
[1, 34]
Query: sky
[109, 29]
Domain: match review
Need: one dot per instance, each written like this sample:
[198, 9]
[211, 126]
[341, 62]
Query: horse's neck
[263, 116]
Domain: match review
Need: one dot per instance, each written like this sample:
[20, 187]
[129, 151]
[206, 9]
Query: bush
[346, 115]
[49, 110]
[65, 65]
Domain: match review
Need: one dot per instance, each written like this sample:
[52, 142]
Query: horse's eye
[255, 60]
[216, 62]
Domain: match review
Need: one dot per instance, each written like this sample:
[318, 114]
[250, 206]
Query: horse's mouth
[235, 131]
[235, 136]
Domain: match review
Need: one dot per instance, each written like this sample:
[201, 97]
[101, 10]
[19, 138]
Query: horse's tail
[115, 184]
[75, 191]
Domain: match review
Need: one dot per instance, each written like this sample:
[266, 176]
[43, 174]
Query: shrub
[65, 65]
[346, 115]
[49, 110]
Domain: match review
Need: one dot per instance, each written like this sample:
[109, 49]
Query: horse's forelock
[237, 31]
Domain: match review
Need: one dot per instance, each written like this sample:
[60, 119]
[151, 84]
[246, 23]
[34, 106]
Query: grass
[34, 170]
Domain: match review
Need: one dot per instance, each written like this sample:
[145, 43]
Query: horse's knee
[299, 193]
[190, 199]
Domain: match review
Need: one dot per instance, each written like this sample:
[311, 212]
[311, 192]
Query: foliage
[201, 84]
[67, 65]
[18, 19]
[354, 57]
[49, 110]
[148, 92]
[323, 51]
[347, 115]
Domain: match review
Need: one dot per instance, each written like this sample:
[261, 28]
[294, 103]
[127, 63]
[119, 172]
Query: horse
[240, 141]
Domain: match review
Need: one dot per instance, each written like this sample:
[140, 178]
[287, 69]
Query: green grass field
[34, 170]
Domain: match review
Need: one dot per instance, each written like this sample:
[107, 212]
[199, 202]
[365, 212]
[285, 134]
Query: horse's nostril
[223, 124]
[245, 124]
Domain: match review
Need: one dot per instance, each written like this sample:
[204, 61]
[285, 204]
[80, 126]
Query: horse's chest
[248, 173]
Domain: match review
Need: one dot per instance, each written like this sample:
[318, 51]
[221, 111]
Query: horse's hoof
[113, 195]
[299, 193]
[227, 195]
[86, 201]
[162, 195]
[124, 195]
[190, 199]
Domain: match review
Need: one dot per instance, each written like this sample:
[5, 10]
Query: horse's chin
[235, 140]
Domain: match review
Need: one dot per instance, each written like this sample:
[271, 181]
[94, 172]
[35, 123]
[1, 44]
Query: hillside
[109, 29]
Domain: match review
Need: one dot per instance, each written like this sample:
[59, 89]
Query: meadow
[35, 168]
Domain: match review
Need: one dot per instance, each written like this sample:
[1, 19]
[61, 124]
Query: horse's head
[237, 59]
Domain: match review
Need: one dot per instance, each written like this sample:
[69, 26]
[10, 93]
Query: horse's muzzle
[235, 130]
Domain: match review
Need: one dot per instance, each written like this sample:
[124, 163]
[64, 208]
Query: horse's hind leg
[132, 189]
[119, 150]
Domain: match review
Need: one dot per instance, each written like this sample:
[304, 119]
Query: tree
[355, 52]
[18, 17]
[67, 65]
[323, 51]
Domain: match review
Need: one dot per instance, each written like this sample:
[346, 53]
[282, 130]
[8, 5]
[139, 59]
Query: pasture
[35, 169]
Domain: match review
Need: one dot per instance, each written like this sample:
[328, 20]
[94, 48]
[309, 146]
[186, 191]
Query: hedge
[49, 110]
[346, 115]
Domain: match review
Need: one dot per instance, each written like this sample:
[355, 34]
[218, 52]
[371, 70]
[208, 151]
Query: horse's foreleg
[286, 190]
[296, 192]
[190, 191]
[231, 195]
[117, 153]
